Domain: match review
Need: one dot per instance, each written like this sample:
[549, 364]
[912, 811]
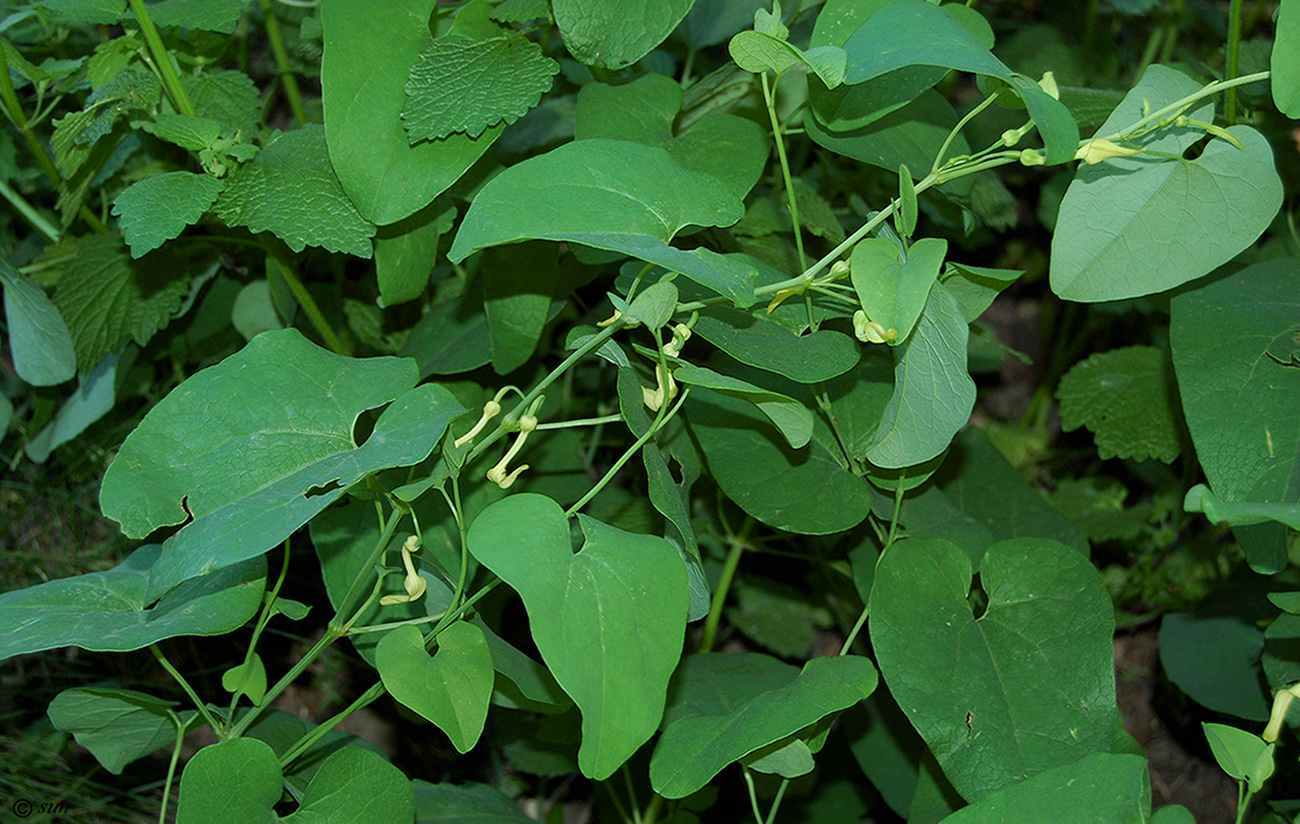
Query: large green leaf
[933, 391]
[38, 338]
[1027, 686]
[697, 745]
[451, 688]
[282, 412]
[616, 33]
[117, 726]
[93, 400]
[290, 189]
[1285, 60]
[917, 33]
[1098, 787]
[109, 611]
[405, 252]
[468, 803]
[1132, 226]
[158, 208]
[518, 282]
[607, 620]
[803, 491]
[790, 416]
[240, 780]
[1127, 399]
[611, 194]
[369, 51]
[911, 136]
[754, 340]
[1234, 347]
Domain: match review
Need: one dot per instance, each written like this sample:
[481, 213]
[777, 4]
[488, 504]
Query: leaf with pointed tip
[117, 726]
[756, 341]
[1284, 62]
[39, 339]
[451, 688]
[158, 208]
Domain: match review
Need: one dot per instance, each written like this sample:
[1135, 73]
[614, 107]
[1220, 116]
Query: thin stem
[1183, 103]
[753, 794]
[303, 744]
[793, 201]
[631, 793]
[171, 81]
[280, 686]
[171, 766]
[185, 685]
[314, 314]
[22, 207]
[376, 553]
[263, 619]
[956, 130]
[282, 63]
[857, 627]
[604, 419]
[739, 543]
[776, 802]
[1234, 52]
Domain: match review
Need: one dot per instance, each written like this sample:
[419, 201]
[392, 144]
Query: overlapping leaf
[451, 688]
[38, 338]
[616, 33]
[117, 726]
[757, 341]
[92, 400]
[158, 208]
[1127, 399]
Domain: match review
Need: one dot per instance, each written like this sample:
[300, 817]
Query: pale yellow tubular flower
[412, 583]
[1099, 149]
[490, 410]
[498, 474]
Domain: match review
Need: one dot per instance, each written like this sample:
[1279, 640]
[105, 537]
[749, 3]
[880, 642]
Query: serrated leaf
[369, 50]
[229, 97]
[158, 208]
[187, 131]
[42, 347]
[107, 298]
[1127, 399]
[583, 607]
[206, 15]
[108, 611]
[117, 726]
[85, 12]
[291, 464]
[290, 189]
[616, 33]
[465, 85]
[521, 11]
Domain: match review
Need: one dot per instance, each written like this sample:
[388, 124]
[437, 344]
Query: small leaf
[451, 688]
[405, 252]
[907, 202]
[894, 287]
[229, 97]
[757, 341]
[790, 416]
[756, 52]
[518, 282]
[158, 208]
[1242, 755]
[117, 726]
[616, 33]
[654, 305]
[206, 15]
[290, 189]
[246, 679]
[1127, 399]
[42, 347]
[187, 131]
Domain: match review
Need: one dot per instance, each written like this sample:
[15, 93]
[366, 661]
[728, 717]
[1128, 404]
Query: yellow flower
[412, 583]
[1099, 149]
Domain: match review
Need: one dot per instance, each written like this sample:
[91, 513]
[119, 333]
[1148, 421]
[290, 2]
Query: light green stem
[273, 693]
[170, 80]
[1234, 53]
[282, 63]
[739, 543]
[171, 766]
[22, 207]
[185, 685]
[770, 101]
[314, 314]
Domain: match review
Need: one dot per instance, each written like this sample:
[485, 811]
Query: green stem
[1183, 103]
[263, 619]
[739, 543]
[273, 693]
[753, 794]
[1234, 53]
[320, 731]
[171, 766]
[381, 545]
[185, 685]
[282, 63]
[776, 802]
[956, 130]
[314, 314]
[170, 79]
[793, 201]
[853, 633]
[22, 207]
[603, 419]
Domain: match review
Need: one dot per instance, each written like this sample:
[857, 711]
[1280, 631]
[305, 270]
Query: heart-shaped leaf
[240, 780]
[893, 292]
[246, 679]
[1026, 686]
[608, 620]
[1108, 787]
[451, 688]
[117, 726]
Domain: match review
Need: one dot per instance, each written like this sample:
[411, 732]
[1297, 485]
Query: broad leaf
[894, 292]
[616, 33]
[92, 401]
[1214, 659]
[369, 51]
[207, 15]
[1127, 399]
[290, 190]
[240, 780]
[228, 97]
[1035, 671]
[405, 252]
[109, 611]
[1285, 60]
[451, 337]
[291, 464]
[756, 341]
[38, 338]
[518, 282]
[451, 688]
[696, 746]
[607, 620]
[757, 52]
[1132, 226]
[1242, 755]
[1234, 346]
[117, 726]
[1101, 787]
[611, 194]
[158, 208]
[790, 416]
[933, 391]
[468, 803]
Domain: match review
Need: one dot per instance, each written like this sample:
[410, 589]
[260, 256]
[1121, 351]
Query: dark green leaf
[117, 726]
[468, 803]
[759, 342]
[208, 15]
[616, 33]
[1127, 399]
[158, 208]
[1101, 786]
[42, 348]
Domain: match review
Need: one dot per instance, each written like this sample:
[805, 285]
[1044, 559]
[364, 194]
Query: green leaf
[1215, 660]
[518, 282]
[907, 201]
[158, 208]
[916, 33]
[451, 337]
[463, 84]
[1100, 787]
[805, 492]
[240, 780]
[42, 348]
[1132, 226]
[292, 464]
[757, 341]
[757, 52]
[1232, 341]
[1200, 499]
[790, 416]
[975, 287]
[1036, 676]
[933, 392]
[369, 51]
[187, 131]
[521, 682]
[290, 189]
[654, 305]
[107, 298]
[614, 195]
[608, 620]
[92, 401]
[696, 746]
[405, 252]
[109, 612]
[893, 287]
[1242, 755]
[451, 688]
[468, 803]
[229, 97]
[246, 679]
[616, 33]
[117, 726]
[207, 15]
[1127, 399]
[775, 616]
[1284, 62]
[85, 12]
